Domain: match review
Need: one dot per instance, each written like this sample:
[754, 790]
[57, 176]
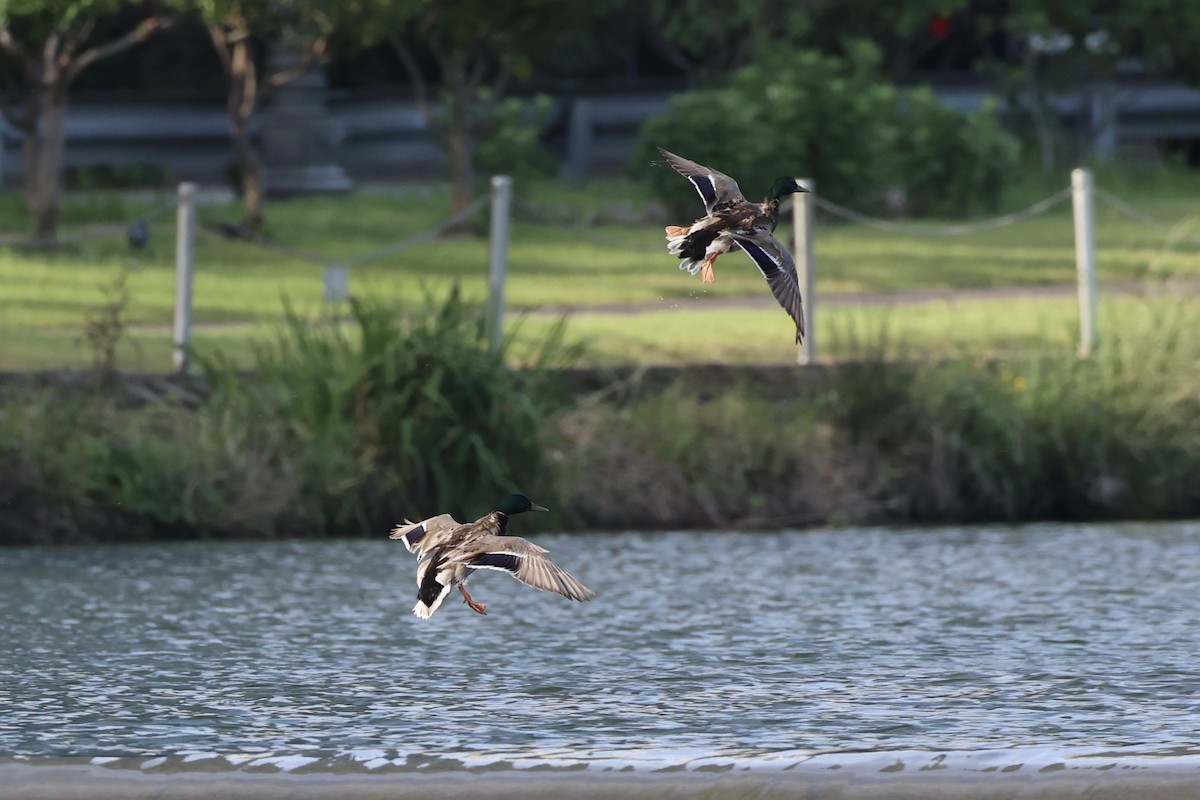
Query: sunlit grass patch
[604, 247]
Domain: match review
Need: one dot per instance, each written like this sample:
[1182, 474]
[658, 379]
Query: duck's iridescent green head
[518, 504]
[782, 186]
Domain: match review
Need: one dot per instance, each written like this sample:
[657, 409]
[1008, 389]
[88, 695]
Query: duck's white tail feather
[434, 582]
[676, 234]
[676, 238]
[425, 610]
[688, 265]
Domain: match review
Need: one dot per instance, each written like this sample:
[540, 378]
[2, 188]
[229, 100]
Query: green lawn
[47, 296]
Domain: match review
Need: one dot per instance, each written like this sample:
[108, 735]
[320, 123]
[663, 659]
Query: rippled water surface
[747, 644]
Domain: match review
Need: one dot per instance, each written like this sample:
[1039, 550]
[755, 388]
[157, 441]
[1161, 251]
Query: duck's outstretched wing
[714, 187]
[779, 268]
[525, 561]
[421, 538]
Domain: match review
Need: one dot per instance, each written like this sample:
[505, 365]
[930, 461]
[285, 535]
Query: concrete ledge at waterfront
[996, 775]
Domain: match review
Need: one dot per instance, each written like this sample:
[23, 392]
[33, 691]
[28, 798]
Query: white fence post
[185, 264]
[1085, 258]
[498, 261]
[806, 265]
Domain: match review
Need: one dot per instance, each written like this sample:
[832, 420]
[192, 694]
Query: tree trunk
[1044, 130]
[48, 70]
[47, 158]
[232, 41]
[462, 171]
[1039, 111]
[29, 146]
[252, 174]
[458, 143]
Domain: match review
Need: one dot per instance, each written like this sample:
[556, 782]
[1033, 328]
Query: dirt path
[1174, 287]
[765, 301]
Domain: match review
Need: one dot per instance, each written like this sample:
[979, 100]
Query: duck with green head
[450, 551]
[732, 222]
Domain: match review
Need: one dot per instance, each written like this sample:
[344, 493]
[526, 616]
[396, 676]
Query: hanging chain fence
[945, 230]
[237, 232]
[132, 230]
[582, 231]
[1137, 215]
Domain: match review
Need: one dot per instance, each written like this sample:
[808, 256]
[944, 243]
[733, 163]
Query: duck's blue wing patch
[505, 561]
[706, 185]
[767, 263]
[779, 268]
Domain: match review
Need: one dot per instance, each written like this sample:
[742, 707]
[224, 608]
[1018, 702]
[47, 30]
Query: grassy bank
[603, 246]
[345, 430]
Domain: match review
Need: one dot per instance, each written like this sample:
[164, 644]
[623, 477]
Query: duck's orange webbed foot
[478, 608]
[706, 270]
[675, 230]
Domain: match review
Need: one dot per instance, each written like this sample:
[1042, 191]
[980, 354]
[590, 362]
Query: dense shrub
[336, 430]
[672, 459]
[345, 429]
[510, 134]
[949, 163]
[836, 121]
[1113, 436]
[802, 113]
[882, 439]
[408, 414]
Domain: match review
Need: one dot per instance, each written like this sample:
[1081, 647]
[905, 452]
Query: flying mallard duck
[733, 221]
[450, 551]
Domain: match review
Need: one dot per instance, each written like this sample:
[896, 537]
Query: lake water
[720, 651]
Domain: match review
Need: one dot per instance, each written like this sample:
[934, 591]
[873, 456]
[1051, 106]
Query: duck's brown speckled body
[450, 551]
[733, 222]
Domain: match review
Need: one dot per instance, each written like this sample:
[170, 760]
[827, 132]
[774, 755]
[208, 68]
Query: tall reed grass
[886, 439]
[338, 429]
[346, 428]
[399, 414]
[1113, 436]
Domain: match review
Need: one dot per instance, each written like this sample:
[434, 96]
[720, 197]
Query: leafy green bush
[347, 428]
[337, 430]
[510, 137]
[1113, 436]
[410, 414]
[949, 163]
[837, 121]
[802, 113]
[674, 459]
[882, 439]
[81, 466]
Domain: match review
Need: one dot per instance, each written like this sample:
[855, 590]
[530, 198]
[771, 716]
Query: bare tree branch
[231, 40]
[9, 95]
[439, 53]
[144, 30]
[418, 83]
[243, 78]
[25, 62]
[74, 38]
[48, 74]
[221, 41]
[476, 72]
[317, 54]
